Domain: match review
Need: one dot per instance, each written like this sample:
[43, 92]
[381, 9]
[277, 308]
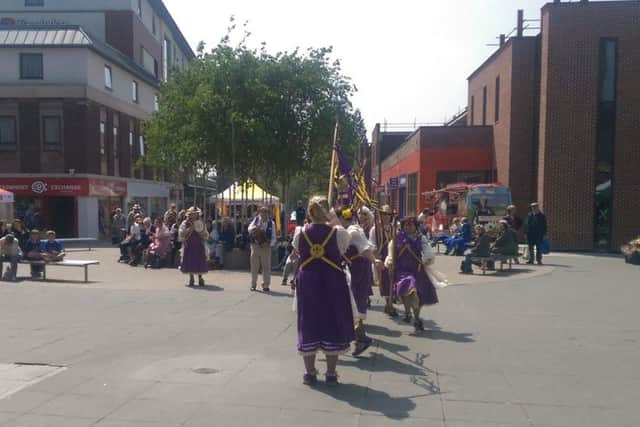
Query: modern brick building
[432, 157]
[77, 82]
[566, 123]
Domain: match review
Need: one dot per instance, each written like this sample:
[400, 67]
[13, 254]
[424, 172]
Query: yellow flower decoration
[347, 214]
[317, 251]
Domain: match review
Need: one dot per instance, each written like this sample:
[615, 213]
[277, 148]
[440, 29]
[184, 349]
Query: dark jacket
[482, 246]
[536, 227]
[506, 243]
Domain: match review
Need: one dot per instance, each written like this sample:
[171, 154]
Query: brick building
[566, 124]
[432, 157]
[77, 82]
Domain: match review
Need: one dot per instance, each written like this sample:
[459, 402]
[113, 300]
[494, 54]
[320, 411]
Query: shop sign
[105, 188]
[10, 21]
[393, 183]
[70, 187]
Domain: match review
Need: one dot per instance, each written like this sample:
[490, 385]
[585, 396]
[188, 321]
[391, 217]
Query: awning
[249, 193]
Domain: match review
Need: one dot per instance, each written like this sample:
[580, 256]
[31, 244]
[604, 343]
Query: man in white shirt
[9, 251]
[262, 237]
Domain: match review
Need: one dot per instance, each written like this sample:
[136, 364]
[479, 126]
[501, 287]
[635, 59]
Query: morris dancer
[193, 235]
[325, 316]
[380, 240]
[412, 284]
[359, 258]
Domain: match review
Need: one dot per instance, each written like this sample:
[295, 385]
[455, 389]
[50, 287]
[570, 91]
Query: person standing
[262, 237]
[323, 303]
[413, 254]
[118, 227]
[300, 214]
[380, 240]
[193, 235]
[536, 230]
[359, 259]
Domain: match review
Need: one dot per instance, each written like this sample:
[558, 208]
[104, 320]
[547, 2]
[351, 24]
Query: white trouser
[260, 257]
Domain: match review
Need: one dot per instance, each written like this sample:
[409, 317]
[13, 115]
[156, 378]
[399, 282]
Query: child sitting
[51, 249]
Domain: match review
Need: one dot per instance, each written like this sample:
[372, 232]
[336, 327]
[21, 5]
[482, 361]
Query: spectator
[31, 252]
[422, 221]
[147, 231]
[515, 222]
[160, 247]
[171, 215]
[135, 211]
[458, 244]
[128, 244]
[9, 251]
[51, 249]
[118, 227]
[176, 244]
[482, 248]
[20, 233]
[507, 241]
[300, 214]
[36, 219]
[536, 230]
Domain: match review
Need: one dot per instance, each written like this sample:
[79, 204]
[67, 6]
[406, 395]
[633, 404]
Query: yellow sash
[317, 251]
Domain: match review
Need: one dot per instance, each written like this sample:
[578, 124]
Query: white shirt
[342, 237]
[135, 231]
[359, 239]
[258, 222]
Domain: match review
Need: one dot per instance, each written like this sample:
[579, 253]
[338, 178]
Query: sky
[409, 59]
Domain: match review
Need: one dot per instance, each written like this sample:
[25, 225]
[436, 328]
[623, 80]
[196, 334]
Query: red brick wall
[431, 150]
[568, 119]
[513, 133]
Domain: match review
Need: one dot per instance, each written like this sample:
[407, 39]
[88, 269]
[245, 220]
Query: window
[156, 102]
[484, 106]
[153, 24]
[31, 66]
[134, 91]
[7, 133]
[139, 8]
[52, 133]
[34, 2]
[141, 142]
[108, 77]
[472, 109]
[116, 148]
[102, 136]
[166, 59]
[497, 103]
[131, 139]
[412, 194]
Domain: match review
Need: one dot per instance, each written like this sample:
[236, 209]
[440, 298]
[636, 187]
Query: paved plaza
[556, 345]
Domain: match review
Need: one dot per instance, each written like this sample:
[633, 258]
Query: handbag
[545, 246]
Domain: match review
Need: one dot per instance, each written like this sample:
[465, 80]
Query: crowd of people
[19, 243]
[472, 242]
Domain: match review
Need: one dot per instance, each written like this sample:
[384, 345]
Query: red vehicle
[483, 204]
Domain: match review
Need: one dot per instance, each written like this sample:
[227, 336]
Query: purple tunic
[361, 278]
[194, 257]
[325, 317]
[409, 272]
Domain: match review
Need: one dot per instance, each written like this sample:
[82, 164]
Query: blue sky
[409, 58]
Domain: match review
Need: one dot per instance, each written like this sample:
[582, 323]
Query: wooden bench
[65, 263]
[90, 241]
[502, 259]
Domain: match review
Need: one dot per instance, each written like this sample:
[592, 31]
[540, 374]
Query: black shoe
[253, 288]
[191, 282]
[361, 347]
[530, 262]
[265, 289]
[406, 318]
[418, 325]
[201, 281]
[539, 262]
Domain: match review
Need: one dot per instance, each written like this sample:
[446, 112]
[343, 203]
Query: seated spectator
[132, 239]
[157, 252]
[458, 244]
[31, 252]
[52, 250]
[9, 251]
[482, 248]
[507, 241]
[147, 231]
[20, 232]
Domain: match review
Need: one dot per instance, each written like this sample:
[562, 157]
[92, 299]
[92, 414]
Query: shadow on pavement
[435, 332]
[210, 288]
[368, 399]
[381, 363]
[381, 330]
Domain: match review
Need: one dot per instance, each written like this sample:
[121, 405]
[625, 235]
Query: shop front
[153, 197]
[73, 206]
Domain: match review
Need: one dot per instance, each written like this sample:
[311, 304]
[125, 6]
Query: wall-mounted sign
[10, 20]
[71, 187]
[393, 183]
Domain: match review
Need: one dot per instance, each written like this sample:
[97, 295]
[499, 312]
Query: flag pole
[334, 159]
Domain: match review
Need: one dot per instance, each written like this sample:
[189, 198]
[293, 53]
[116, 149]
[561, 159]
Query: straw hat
[386, 209]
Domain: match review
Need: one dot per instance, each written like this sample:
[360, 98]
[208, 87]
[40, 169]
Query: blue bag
[545, 246]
